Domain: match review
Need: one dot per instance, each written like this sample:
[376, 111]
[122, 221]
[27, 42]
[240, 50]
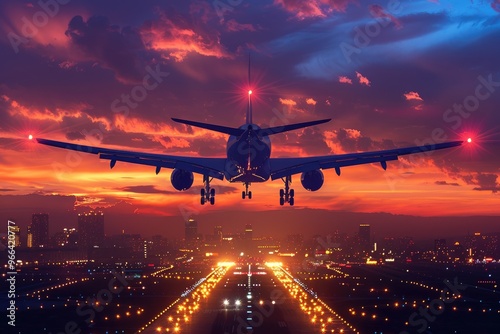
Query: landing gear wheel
[282, 201]
[292, 193]
[243, 195]
[249, 195]
[282, 193]
[291, 201]
[207, 193]
[287, 194]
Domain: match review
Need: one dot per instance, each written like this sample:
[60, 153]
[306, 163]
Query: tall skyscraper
[218, 233]
[248, 232]
[191, 230]
[364, 237]
[38, 231]
[90, 229]
[17, 235]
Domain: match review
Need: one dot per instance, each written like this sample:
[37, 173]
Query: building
[17, 235]
[90, 229]
[364, 237]
[38, 231]
[191, 230]
[248, 232]
[218, 233]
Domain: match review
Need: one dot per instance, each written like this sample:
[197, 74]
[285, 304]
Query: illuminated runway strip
[162, 270]
[189, 302]
[322, 317]
[54, 287]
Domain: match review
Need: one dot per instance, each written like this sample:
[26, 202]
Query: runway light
[226, 302]
[237, 302]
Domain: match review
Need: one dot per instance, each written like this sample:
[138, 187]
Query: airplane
[248, 158]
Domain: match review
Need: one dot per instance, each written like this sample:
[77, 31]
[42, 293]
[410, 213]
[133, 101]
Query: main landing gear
[246, 193]
[287, 194]
[207, 193]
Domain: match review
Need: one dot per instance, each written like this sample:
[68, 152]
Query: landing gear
[287, 194]
[246, 193]
[207, 193]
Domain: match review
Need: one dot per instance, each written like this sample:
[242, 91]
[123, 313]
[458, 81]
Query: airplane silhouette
[249, 158]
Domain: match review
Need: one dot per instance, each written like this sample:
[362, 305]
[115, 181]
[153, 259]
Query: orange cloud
[412, 96]
[288, 102]
[312, 8]
[176, 41]
[346, 80]
[362, 79]
[311, 101]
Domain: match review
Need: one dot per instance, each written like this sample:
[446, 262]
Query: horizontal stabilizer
[284, 128]
[212, 127]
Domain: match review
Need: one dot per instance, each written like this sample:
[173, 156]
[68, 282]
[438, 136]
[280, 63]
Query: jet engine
[312, 180]
[181, 179]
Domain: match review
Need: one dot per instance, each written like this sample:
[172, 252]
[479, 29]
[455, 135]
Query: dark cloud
[146, 189]
[445, 183]
[74, 135]
[118, 49]
[6, 189]
[487, 182]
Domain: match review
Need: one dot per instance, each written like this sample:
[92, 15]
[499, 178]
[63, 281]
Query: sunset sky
[112, 74]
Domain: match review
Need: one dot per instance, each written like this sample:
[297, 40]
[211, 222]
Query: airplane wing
[213, 167]
[281, 167]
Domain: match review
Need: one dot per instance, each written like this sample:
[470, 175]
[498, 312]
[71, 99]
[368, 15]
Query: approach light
[30, 137]
[469, 140]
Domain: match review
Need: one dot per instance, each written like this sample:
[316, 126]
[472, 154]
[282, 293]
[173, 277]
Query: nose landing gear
[246, 193]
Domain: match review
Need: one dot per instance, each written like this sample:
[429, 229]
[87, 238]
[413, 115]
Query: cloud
[362, 79]
[175, 40]
[495, 4]
[313, 8]
[444, 183]
[6, 189]
[487, 181]
[288, 102]
[412, 96]
[346, 80]
[146, 189]
[111, 47]
[379, 11]
[311, 101]
[234, 26]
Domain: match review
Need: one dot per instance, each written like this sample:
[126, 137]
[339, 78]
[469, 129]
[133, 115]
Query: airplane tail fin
[249, 108]
[289, 127]
[212, 127]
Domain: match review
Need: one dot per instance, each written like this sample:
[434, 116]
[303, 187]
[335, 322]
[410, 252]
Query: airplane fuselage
[248, 156]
